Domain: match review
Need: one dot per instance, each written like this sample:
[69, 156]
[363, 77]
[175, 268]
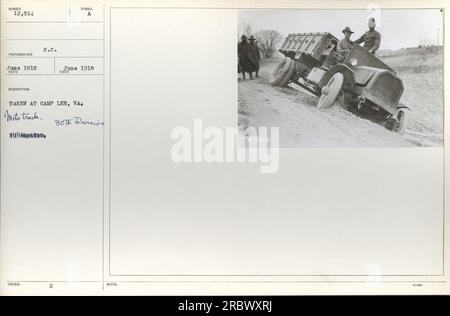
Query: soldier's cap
[347, 29]
[372, 22]
[252, 38]
[244, 37]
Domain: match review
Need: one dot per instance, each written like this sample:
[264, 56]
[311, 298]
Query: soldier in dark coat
[244, 57]
[371, 38]
[255, 54]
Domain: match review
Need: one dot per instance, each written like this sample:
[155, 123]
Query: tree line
[268, 40]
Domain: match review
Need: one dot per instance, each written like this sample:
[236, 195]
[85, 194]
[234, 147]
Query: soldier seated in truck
[344, 45]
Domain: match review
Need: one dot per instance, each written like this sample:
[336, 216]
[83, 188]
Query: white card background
[92, 207]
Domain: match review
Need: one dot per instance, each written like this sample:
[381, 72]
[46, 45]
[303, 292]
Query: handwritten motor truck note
[52, 122]
[54, 73]
[154, 148]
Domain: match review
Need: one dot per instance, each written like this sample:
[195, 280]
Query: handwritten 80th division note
[52, 120]
[53, 69]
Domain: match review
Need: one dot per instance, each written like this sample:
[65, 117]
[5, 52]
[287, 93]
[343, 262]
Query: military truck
[363, 82]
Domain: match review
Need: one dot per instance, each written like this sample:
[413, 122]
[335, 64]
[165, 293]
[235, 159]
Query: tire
[288, 75]
[330, 91]
[280, 71]
[401, 122]
[390, 124]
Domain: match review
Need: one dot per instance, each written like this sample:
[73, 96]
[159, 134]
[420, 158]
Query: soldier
[371, 38]
[255, 55]
[244, 57]
[345, 44]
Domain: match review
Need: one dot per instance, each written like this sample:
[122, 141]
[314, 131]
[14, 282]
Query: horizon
[405, 28]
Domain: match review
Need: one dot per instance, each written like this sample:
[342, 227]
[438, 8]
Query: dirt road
[301, 124]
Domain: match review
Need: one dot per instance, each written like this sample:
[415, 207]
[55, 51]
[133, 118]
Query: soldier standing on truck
[371, 38]
[344, 45]
[255, 55]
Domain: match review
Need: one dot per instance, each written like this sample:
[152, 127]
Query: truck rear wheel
[280, 71]
[288, 75]
[330, 91]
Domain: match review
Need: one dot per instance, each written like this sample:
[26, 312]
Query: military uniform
[245, 58]
[255, 55]
[371, 39]
[344, 45]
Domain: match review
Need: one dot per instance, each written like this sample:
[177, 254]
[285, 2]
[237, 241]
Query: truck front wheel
[330, 91]
[401, 122]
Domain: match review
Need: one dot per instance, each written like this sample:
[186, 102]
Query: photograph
[343, 78]
[135, 160]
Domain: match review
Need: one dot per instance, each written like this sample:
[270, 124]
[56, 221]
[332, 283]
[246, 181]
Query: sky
[398, 28]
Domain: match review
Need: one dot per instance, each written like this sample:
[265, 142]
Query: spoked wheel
[330, 91]
[398, 124]
[280, 71]
[289, 75]
[401, 122]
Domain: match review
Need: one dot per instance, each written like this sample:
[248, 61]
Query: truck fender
[349, 76]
